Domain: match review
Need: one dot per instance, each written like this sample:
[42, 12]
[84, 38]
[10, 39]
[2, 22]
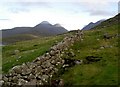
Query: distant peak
[57, 25]
[91, 23]
[44, 22]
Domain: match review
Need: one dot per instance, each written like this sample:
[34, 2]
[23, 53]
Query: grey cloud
[3, 19]
[16, 7]
[97, 9]
[33, 3]
[101, 13]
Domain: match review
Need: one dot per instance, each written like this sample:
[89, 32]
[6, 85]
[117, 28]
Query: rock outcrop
[41, 70]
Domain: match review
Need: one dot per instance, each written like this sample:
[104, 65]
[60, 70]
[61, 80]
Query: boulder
[38, 77]
[56, 70]
[5, 79]
[52, 52]
[31, 76]
[7, 84]
[11, 73]
[21, 82]
[10, 79]
[107, 36]
[38, 69]
[45, 77]
[38, 63]
[39, 83]
[1, 82]
[54, 48]
[33, 82]
[15, 79]
[47, 71]
[93, 58]
[24, 67]
[53, 62]
[16, 51]
[78, 62]
[19, 76]
[61, 83]
[32, 65]
[102, 47]
[17, 69]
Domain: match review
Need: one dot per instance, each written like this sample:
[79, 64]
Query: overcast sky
[71, 14]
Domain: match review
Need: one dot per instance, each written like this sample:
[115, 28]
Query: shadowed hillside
[42, 29]
[92, 25]
[27, 33]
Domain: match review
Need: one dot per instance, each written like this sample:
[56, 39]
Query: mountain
[15, 31]
[45, 28]
[110, 22]
[42, 29]
[92, 25]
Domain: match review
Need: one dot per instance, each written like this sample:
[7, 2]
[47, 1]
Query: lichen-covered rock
[15, 79]
[52, 52]
[22, 82]
[47, 71]
[53, 62]
[38, 69]
[38, 63]
[1, 82]
[31, 76]
[54, 48]
[39, 83]
[19, 76]
[32, 65]
[16, 51]
[56, 70]
[7, 84]
[5, 79]
[45, 77]
[78, 62]
[17, 69]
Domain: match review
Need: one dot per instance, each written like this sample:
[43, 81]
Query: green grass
[0, 59]
[19, 37]
[103, 72]
[28, 51]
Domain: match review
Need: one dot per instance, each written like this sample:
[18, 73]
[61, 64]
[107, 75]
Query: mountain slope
[42, 29]
[95, 44]
[47, 29]
[92, 25]
[27, 33]
[15, 31]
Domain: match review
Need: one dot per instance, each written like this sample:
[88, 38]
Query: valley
[88, 57]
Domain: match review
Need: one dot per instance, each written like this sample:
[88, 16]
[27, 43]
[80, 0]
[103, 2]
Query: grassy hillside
[18, 38]
[94, 44]
[103, 72]
[25, 51]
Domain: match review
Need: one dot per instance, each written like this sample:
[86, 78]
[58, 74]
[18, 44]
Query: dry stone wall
[40, 70]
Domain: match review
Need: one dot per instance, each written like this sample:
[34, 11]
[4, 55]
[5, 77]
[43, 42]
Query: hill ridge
[43, 29]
